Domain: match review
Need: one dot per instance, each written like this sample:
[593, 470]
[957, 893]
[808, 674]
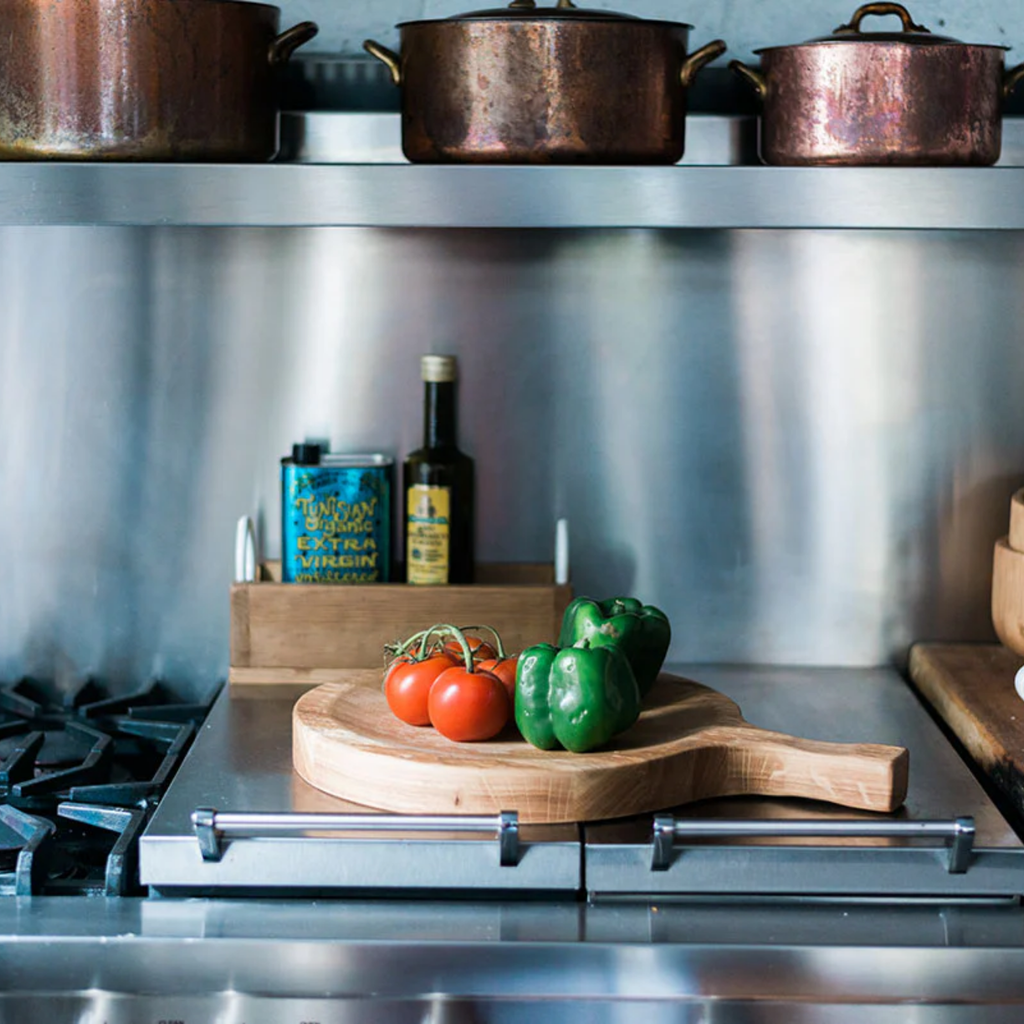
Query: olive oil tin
[335, 517]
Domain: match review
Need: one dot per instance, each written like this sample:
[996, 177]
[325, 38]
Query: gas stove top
[81, 771]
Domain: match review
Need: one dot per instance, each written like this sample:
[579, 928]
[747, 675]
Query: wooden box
[300, 632]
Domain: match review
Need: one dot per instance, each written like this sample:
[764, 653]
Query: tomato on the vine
[466, 706]
[505, 670]
[407, 686]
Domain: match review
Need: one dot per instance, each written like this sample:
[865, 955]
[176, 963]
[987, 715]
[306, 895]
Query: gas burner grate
[122, 862]
[177, 737]
[95, 765]
[80, 773]
[33, 856]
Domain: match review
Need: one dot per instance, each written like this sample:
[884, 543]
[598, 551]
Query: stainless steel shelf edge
[409, 196]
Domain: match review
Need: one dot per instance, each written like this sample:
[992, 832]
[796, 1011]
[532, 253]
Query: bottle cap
[306, 454]
[439, 369]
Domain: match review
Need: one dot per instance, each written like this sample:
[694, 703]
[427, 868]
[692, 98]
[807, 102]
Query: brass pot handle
[288, 42]
[387, 57]
[752, 75]
[1010, 79]
[705, 55]
[879, 9]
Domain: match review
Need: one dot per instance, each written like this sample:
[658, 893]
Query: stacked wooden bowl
[1008, 580]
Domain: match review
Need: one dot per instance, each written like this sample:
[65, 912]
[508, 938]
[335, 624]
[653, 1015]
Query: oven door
[947, 840]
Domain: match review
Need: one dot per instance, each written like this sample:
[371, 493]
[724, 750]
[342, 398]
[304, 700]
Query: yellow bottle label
[428, 511]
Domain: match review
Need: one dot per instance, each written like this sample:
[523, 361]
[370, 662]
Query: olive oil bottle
[438, 487]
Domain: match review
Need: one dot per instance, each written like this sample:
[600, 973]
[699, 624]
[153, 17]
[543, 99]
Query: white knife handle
[245, 551]
[562, 552]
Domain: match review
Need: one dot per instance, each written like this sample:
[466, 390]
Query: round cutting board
[691, 743]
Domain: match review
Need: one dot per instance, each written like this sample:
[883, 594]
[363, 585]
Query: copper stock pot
[529, 84]
[141, 79]
[905, 97]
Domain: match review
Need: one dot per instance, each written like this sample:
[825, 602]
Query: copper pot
[141, 79]
[906, 97]
[526, 84]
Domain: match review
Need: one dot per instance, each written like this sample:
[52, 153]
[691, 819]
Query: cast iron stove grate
[80, 773]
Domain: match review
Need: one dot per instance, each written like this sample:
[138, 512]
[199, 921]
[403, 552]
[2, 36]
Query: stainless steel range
[278, 903]
[238, 820]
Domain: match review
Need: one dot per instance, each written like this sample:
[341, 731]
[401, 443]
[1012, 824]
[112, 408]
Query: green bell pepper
[641, 631]
[578, 697]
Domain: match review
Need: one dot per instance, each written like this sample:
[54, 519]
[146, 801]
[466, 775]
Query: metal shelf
[408, 196]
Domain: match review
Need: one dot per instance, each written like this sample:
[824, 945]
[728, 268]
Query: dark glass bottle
[438, 488]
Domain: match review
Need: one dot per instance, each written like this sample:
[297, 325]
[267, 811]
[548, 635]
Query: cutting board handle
[762, 763]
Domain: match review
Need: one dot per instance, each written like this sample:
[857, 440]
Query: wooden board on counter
[971, 688]
[690, 743]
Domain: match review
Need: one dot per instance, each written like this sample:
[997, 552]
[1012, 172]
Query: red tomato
[505, 670]
[407, 686]
[477, 647]
[466, 706]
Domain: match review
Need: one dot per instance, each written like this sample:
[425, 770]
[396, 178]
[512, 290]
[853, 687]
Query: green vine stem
[392, 652]
[494, 633]
[445, 629]
[422, 639]
[396, 650]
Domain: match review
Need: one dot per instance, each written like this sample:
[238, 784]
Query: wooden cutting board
[971, 688]
[691, 743]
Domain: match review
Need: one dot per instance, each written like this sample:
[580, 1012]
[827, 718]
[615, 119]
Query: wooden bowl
[1008, 595]
[1016, 538]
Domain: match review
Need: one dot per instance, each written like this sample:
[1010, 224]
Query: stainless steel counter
[241, 763]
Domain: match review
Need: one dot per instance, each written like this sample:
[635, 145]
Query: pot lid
[910, 34]
[527, 10]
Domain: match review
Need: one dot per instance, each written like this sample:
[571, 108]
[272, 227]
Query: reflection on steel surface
[799, 445]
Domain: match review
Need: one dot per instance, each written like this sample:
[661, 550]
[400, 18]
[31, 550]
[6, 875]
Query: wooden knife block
[304, 633]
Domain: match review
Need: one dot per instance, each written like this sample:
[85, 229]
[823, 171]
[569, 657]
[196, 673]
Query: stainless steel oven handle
[212, 826]
[960, 833]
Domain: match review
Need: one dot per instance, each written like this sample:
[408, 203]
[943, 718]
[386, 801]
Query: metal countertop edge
[405, 965]
[852, 923]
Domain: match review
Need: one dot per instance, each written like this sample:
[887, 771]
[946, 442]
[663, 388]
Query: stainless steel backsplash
[800, 445]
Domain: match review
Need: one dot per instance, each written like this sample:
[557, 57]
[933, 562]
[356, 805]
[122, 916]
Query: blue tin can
[335, 517]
